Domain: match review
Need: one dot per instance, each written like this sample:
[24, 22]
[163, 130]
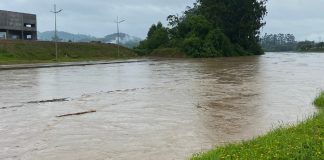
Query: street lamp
[118, 22]
[55, 32]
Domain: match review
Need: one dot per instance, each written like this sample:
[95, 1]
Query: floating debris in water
[76, 114]
[49, 101]
[16, 106]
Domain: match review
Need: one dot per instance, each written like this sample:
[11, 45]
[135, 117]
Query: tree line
[211, 28]
[287, 42]
[278, 42]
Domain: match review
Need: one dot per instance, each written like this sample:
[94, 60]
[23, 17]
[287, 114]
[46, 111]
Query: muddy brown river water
[159, 110]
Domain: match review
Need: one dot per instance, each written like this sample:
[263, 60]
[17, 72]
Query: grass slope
[301, 142]
[12, 52]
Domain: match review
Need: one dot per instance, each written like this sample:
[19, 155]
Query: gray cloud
[304, 18]
[96, 17]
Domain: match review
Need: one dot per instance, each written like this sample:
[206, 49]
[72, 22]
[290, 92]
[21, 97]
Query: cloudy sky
[304, 18]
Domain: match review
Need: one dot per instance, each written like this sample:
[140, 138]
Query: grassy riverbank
[15, 52]
[304, 141]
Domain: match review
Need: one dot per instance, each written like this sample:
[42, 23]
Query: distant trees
[278, 42]
[305, 45]
[311, 46]
[211, 28]
[287, 42]
[320, 45]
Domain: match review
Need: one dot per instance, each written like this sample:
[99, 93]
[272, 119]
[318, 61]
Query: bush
[193, 46]
[168, 52]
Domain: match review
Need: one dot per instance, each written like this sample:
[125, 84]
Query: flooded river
[159, 110]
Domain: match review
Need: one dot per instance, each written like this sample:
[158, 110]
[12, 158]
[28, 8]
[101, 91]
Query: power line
[118, 36]
[55, 32]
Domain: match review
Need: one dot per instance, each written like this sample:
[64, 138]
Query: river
[168, 109]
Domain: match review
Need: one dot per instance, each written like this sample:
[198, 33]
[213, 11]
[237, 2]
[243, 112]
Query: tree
[305, 45]
[241, 20]
[212, 28]
[198, 38]
[320, 45]
[157, 37]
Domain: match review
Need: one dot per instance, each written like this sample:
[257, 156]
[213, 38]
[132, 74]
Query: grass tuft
[319, 101]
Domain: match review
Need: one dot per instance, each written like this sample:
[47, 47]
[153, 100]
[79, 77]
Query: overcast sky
[304, 18]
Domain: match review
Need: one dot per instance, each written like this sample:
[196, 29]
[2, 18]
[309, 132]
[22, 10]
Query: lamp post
[55, 32]
[118, 22]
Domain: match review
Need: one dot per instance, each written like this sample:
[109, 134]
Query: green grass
[319, 101]
[304, 141]
[15, 52]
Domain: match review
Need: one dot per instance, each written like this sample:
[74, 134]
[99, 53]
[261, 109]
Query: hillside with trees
[211, 28]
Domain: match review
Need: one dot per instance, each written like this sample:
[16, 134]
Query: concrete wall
[18, 25]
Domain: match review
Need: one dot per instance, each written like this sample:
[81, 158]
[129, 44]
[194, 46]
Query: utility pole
[118, 22]
[55, 32]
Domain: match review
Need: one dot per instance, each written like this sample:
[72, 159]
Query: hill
[65, 36]
[125, 39]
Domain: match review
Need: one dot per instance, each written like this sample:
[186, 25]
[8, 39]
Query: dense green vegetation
[301, 142]
[310, 46]
[34, 51]
[211, 28]
[168, 53]
[286, 42]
